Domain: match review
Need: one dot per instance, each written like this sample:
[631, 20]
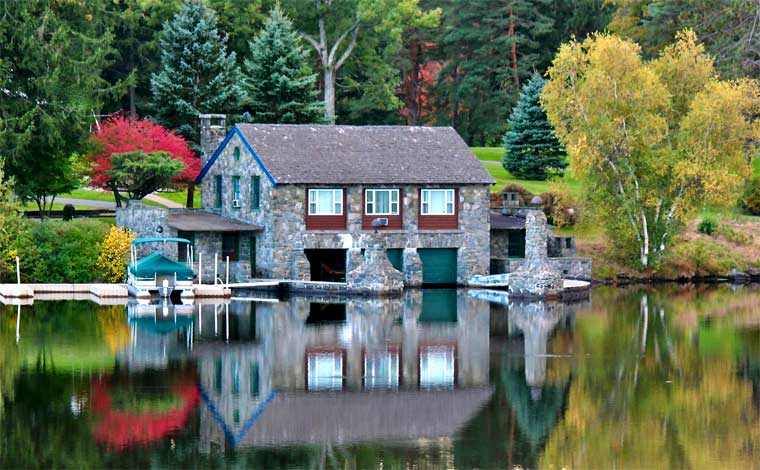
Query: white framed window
[325, 202]
[437, 202]
[381, 201]
[381, 369]
[437, 366]
[325, 371]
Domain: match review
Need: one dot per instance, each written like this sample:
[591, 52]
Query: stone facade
[282, 208]
[375, 275]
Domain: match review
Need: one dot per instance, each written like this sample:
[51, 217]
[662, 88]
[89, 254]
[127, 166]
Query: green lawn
[502, 176]
[93, 195]
[491, 154]
[181, 196]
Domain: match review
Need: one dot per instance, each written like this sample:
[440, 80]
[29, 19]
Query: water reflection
[639, 378]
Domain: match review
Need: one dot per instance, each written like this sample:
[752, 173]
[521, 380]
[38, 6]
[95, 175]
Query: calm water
[666, 378]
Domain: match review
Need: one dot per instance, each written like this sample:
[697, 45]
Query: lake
[665, 377]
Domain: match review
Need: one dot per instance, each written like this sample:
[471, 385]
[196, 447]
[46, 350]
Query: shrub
[114, 254]
[707, 226]
[68, 212]
[560, 208]
[740, 238]
[702, 257]
[750, 200]
[63, 251]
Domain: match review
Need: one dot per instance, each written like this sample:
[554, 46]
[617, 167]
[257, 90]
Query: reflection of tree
[41, 427]
[9, 358]
[646, 396]
[114, 326]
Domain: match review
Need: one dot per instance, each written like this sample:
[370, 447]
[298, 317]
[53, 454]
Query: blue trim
[235, 440]
[233, 132]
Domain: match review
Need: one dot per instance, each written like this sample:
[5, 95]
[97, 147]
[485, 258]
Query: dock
[100, 293]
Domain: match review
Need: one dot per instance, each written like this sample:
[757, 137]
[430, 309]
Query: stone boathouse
[306, 201]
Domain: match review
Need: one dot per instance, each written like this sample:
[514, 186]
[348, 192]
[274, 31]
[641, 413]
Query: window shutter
[255, 190]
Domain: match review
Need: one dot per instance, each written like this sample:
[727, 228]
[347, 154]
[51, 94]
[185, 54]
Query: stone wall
[570, 268]
[291, 237]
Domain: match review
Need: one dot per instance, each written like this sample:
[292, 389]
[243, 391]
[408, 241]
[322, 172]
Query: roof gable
[327, 154]
[235, 131]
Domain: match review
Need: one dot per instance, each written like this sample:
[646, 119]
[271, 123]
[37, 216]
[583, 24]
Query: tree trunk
[190, 195]
[413, 84]
[511, 33]
[132, 102]
[329, 78]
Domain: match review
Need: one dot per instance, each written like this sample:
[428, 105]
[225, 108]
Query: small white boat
[492, 281]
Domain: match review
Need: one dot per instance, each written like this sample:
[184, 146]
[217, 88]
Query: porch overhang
[202, 221]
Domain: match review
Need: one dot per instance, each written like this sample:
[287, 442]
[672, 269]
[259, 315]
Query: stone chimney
[213, 132]
[511, 202]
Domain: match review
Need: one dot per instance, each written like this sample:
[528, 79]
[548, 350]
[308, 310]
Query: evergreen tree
[197, 75]
[51, 60]
[488, 47]
[532, 149]
[280, 86]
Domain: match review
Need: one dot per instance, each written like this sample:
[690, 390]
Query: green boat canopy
[156, 264]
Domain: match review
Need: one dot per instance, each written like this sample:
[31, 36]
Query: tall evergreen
[197, 75]
[532, 149]
[279, 83]
[488, 47]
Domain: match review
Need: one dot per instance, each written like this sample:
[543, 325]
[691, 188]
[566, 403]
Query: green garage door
[396, 257]
[439, 265]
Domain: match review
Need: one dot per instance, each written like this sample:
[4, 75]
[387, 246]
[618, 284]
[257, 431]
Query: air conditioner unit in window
[236, 203]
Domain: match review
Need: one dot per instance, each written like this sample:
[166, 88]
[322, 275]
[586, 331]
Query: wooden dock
[100, 293]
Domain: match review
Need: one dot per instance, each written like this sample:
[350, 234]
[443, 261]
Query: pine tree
[196, 75]
[280, 86]
[532, 149]
[488, 47]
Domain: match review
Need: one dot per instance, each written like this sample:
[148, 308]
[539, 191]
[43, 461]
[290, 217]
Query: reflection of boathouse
[405, 369]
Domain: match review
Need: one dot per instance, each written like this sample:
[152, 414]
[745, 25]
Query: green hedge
[57, 251]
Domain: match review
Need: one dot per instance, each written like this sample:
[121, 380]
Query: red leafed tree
[121, 134]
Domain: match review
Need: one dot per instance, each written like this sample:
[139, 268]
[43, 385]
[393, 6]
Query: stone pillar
[412, 268]
[213, 132]
[536, 278]
[375, 275]
[300, 268]
[536, 234]
[354, 259]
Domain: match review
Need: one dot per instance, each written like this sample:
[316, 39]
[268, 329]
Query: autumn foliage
[114, 254]
[122, 134]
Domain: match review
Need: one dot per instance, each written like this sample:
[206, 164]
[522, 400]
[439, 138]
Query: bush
[750, 200]
[114, 254]
[702, 258]
[560, 208]
[707, 226]
[63, 251]
[740, 238]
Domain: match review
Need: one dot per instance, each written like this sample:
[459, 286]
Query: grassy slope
[492, 157]
[695, 252]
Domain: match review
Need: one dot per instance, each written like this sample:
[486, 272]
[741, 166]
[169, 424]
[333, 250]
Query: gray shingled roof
[364, 154]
